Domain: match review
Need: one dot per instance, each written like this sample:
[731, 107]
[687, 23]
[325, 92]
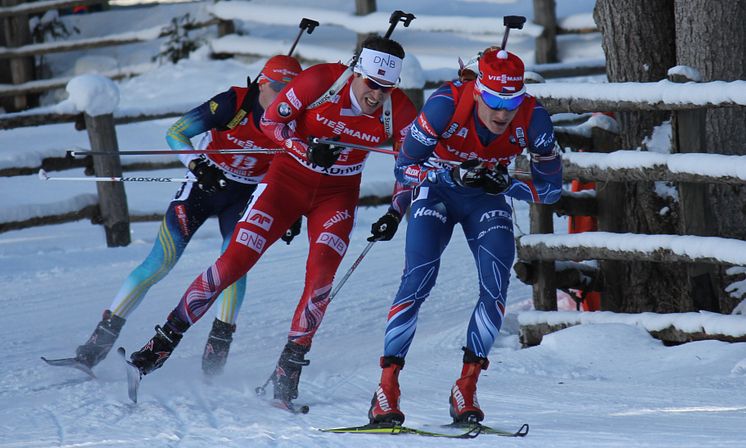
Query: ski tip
[122, 351]
[304, 409]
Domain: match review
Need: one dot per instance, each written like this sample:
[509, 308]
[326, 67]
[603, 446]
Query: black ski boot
[287, 372]
[98, 345]
[157, 350]
[217, 347]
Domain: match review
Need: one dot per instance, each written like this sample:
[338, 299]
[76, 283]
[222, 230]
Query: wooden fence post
[610, 198]
[697, 217]
[545, 288]
[226, 27]
[363, 8]
[546, 44]
[112, 199]
[17, 33]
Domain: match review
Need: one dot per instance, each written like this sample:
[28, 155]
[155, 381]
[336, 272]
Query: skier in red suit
[359, 104]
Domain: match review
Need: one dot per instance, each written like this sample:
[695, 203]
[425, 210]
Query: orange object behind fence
[591, 300]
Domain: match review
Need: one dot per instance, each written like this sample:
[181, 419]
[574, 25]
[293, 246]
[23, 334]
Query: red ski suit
[294, 187]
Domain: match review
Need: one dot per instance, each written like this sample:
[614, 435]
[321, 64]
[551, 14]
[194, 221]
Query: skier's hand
[209, 177]
[469, 174]
[496, 180]
[322, 154]
[385, 228]
[292, 232]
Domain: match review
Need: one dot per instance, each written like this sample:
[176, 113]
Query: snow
[714, 92]
[701, 322]
[716, 165]
[601, 384]
[726, 250]
[689, 73]
[93, 94]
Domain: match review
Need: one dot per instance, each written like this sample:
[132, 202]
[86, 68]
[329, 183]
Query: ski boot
[287, 373]
[464, 407]
[157, 350]
[217, 347]
[384, 407]
[98, 345]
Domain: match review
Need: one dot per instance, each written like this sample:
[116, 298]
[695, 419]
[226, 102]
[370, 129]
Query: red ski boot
[384, 407]
[464, 405]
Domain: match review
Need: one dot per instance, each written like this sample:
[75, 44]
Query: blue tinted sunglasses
[277, 86]
[496, 102]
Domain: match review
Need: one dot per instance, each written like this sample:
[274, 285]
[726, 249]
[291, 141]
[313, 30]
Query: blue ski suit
[448, 128]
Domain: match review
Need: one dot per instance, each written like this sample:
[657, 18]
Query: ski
[289, 406]
[484, 429]
[70, 362]
[395, 429]
[133, 375]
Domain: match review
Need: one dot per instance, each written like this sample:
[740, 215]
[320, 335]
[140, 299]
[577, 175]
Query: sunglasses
[277, 86]
[497, 103]
[377, 86]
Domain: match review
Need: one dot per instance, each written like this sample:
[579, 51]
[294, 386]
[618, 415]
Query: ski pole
[44, 176]
[158, 152]
[261, 390]
[396, 17]
[389, 151]
[351, 270]
[327, 141]
[307, 25]
[515, 22]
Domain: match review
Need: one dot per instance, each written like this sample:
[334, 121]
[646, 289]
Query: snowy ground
[595, 385]
[606, 385]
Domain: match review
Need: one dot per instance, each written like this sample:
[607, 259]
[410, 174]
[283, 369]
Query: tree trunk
[638, 38]
[711, 37]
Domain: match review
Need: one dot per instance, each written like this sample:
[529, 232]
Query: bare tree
[711, 37]
[639, 43]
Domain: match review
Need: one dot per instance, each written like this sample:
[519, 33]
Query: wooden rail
[39, 7]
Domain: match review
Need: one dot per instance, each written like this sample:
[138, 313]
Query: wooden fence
[20, 51]
[538, 255]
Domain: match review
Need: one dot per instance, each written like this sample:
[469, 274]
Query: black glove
[385, 228]
[209, 177]
[474, 174]
[469, 174]
[292, 232]
[496, 180]
[322, 154]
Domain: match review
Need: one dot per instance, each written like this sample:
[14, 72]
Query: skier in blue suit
[478, 126]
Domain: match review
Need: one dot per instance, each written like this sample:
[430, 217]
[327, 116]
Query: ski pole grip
[308, 24]
[305, 25]
[396, 17]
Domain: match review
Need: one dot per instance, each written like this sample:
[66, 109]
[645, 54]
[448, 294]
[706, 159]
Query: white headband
[379, 65]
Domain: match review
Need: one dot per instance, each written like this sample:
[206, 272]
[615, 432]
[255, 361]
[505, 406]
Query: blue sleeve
[423, 136]
[215, 113]
[546, 163]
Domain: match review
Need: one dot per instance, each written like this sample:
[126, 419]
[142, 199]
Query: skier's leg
[262, 224]
[428, 232]
[183, 217]
[489, 231]
[215, 354]
[329, 225]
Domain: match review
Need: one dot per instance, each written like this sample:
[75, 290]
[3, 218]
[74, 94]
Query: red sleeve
[292, 101]
[404, 114]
